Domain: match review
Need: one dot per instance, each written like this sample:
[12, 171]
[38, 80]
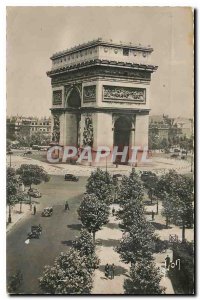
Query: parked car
[117, 176]
[34, 193]
[27, 152]
[174, 155]
[71, 177]
[144, 175]
[35, 232]
[47, 212]
[177, 150]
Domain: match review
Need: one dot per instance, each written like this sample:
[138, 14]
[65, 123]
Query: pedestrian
[34, 210]
[112, 271]
[167, 262]
[113, 211]
[153, 214]
[106, 270]
[66, 206]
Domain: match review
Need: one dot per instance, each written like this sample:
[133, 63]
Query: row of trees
[72, 271]
[176, 193]
[94, 209]
[28, 175]
[137, 245]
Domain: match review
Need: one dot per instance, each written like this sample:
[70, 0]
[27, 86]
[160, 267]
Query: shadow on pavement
[159, 226]
[148, 202]
[112, 226]
[75, 226]
[107, 243]
[67, 243]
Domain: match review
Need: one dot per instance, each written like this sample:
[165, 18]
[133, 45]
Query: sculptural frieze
[56, 129]
[88, 132]
[116, 93]
[89, 93]
[57, 97]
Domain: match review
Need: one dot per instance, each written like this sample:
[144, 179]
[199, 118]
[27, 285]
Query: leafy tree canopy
[32, 174]
[131, 188]
[68, 275]
[144, 279]
[100, 183]
[93, 213]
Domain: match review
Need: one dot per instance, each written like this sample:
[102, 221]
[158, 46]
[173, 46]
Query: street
[57, 232]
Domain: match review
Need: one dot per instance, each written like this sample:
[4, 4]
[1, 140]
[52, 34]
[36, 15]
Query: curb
[13, 224]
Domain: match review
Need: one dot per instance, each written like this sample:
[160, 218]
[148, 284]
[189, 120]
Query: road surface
[58, 232]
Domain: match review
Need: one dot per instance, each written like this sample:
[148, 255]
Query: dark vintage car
[47, 212]
[36, 231]
[27, 153]
[34, 193]
[144, 175]
[71, 177]
[174, 155]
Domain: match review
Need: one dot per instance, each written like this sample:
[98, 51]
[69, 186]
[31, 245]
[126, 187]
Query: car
[144, 175]
[47, 212]
[35, 232]
[174, 155]
[71, 177]
[177, 150]
[9, 152]
[117, 177]
[27, 152]
[34, 193]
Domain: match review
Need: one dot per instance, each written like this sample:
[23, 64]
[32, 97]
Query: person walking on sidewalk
[112, 271]
[34, 210]
[66, 206]
[106, 270]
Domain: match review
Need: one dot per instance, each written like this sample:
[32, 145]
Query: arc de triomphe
[101, 95]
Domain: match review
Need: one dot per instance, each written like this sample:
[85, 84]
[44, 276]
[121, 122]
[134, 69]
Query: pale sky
[35, 33]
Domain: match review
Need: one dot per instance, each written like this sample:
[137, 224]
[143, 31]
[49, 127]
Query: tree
[84, 244]
[14, 282]
[144, 279]
[168, 208]
[131, 212]
[100, 183]
[153, 137]
[11, 189]
[68, 275]
[93, 213]
[32, 174]
[179, 190]
[183, 276]
[164, 144]
[131, 188]
[150, 181]
[137, 244]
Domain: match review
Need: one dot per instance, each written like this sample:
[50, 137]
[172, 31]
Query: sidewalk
[107, 239]
[16, 215]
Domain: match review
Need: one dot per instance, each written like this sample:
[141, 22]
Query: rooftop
[102, 42]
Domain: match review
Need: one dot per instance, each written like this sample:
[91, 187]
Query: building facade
[27, 126]
[101, 95]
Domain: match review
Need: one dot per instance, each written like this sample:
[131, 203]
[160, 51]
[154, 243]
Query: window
[126, 52]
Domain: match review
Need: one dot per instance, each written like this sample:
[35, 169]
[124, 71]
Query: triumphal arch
[101, 95]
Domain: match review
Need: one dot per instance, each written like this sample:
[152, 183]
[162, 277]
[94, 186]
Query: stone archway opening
[122, 135]
[74, 102]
